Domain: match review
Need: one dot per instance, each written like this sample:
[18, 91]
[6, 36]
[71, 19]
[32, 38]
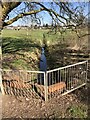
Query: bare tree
[65, 13]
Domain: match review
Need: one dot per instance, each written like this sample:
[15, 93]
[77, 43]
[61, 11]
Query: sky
[46, 17]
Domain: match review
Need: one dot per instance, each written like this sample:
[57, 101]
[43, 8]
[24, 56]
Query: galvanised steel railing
[24, 83]
[45, 85]
[66, 79]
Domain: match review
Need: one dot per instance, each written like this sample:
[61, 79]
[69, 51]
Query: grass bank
[22, 49]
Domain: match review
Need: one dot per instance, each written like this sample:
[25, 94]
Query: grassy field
[21, 49]
[35, 35]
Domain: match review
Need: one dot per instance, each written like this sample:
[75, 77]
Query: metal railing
[45, 85]
[66, 79]
[24, 83]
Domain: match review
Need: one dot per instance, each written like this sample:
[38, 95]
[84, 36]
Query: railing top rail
[67, 66]
[23, 71]
[60, 68]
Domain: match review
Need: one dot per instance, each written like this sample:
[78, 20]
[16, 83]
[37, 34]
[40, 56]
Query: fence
[66, 79]
[23, 83]
[38, 84]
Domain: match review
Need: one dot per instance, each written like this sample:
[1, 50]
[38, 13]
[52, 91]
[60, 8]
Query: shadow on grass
[56, 55]
[14, 56]
[60, 54]
[11, 45]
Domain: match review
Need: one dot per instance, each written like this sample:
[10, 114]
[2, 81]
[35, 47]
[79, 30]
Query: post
[86, 70]
[0, 96]
[45, 86]
[1, 85]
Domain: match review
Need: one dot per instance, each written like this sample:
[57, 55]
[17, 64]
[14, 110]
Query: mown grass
[37, 35]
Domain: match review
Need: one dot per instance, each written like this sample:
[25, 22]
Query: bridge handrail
[60, 68]
[23, 71]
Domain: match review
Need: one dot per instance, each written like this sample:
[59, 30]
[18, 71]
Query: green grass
[76, 111]
[18, 47]
[37, 35]
[68, 36]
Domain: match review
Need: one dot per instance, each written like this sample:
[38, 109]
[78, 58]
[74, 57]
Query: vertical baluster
[36, 77]
[79, 71]
[82, 75]
[52, 82]
[55, 77]
[58, 78]
[13, 82]
[69, 79]
[65, 77]
[25, 85]
[46, 85]
[79, 74]
[49, 76]
[32, 86]
[86, 71]
[40, 78]
[29, 84]
[20, 83]
[65, 74]
[8, 84]
[33, 83]
[49, 79]
[5, 82]
[72, 77]
[55, 82]
[76, 75]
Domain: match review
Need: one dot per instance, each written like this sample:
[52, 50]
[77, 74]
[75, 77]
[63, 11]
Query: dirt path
[35, 108]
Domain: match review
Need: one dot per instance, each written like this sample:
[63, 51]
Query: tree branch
[7, 7]
[22, 15]
[50, 11]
